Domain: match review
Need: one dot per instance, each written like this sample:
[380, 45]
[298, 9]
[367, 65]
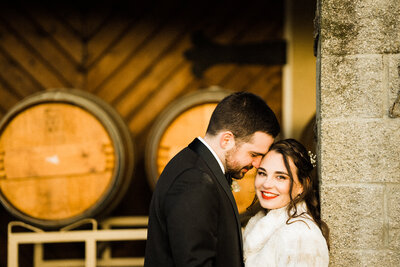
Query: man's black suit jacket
[193, 218]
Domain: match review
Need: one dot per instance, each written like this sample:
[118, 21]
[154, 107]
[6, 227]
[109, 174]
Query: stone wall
[358, 80]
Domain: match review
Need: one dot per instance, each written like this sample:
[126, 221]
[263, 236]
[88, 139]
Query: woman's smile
[268, 195]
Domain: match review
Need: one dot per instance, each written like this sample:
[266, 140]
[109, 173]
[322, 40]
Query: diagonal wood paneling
[66, 38]
[43, 47]
[19, 81]
[140, 62]
[157, 75]
[117, 56]
[7, 98]
[107, 36]
[27, 58]
[144, 58]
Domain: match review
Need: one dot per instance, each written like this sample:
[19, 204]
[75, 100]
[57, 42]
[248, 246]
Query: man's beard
[233, 168]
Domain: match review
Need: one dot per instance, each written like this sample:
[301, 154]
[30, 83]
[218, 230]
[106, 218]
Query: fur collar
[261, 227]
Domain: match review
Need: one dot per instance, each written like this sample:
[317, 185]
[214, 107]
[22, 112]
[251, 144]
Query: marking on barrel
[3, 174]
[108, 151]
[53, 159]
[2, 168]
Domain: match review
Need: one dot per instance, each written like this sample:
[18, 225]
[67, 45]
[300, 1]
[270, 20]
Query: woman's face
[272, 182]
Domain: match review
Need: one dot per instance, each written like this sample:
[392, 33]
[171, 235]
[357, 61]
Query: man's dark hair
[243, 114]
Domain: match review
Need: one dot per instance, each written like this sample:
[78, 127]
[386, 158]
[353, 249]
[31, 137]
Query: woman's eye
[261, 173]
[280, 177]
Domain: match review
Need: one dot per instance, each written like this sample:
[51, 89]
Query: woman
[289, 231]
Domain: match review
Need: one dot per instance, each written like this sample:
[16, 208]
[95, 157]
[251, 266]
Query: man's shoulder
[186, 158]
[186, 162]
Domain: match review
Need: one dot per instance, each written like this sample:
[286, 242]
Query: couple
[193, 218]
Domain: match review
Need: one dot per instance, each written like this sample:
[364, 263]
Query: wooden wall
[139, 56]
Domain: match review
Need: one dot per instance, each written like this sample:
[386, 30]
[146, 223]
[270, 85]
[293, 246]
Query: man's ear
[227, 140]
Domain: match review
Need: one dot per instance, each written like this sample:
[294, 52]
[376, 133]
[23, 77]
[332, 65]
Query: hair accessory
[235, 187]
[313, 158]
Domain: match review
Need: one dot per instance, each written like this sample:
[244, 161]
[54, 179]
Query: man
[193, 218]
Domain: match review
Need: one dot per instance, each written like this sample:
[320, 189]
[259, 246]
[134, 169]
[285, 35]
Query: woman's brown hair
[294, 150]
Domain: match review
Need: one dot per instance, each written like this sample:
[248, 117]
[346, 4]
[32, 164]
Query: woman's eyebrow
[277, 172]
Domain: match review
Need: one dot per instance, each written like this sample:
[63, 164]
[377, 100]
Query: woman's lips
[268, 195]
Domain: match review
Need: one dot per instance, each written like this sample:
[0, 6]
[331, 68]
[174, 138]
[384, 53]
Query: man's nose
[256, 162]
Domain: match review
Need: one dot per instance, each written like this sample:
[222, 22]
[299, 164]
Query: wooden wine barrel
[182, 121]
[65, 155]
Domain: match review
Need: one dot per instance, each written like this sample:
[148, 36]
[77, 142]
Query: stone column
[358, 81]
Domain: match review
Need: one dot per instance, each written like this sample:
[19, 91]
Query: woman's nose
[268, 182]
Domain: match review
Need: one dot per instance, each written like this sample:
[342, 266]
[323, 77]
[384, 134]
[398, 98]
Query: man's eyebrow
[261, 168]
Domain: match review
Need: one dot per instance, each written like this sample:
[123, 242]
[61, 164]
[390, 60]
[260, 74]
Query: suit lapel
[212, 163]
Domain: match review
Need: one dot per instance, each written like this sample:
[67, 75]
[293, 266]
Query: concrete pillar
[358, 80]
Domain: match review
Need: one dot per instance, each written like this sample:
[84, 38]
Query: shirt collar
[213, 152]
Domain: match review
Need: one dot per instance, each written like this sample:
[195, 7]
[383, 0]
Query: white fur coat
[269, 241]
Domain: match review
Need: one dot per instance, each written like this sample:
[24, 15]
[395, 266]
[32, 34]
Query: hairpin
[313, 158]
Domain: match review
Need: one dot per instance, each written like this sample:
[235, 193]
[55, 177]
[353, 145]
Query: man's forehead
[261, 138]
[259, 143]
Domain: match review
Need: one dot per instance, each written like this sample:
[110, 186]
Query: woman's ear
[306, 185]
[227, 140]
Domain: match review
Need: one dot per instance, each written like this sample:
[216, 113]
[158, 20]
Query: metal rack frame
[89, 237]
